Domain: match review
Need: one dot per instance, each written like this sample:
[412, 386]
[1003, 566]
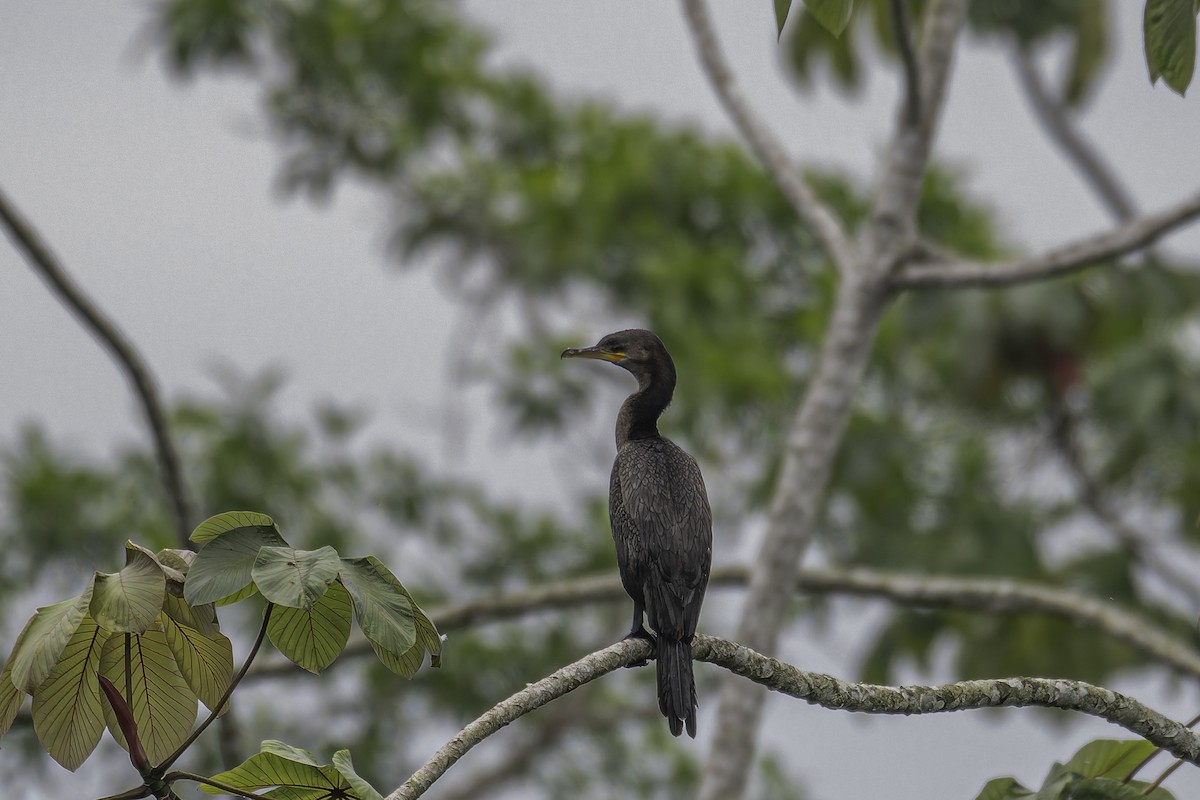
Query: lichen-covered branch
[105, 331]
[822, 690]
[762, 141]
[532, 697]
[1069, 695]
[1086, 252]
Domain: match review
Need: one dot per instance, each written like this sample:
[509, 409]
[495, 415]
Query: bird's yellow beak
[594, 352]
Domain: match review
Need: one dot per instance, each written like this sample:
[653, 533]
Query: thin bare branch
[1052, 116]
[894, 216]
[104, 330]
[1077, 255]
[908, 57]
[762, 141]
[1093, 498]
[824, 691]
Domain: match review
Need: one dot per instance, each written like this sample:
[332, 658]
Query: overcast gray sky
[159, 198]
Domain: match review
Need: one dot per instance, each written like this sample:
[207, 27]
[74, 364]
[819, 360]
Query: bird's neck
[638, 417]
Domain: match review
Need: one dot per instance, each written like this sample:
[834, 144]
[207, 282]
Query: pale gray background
[159, 198]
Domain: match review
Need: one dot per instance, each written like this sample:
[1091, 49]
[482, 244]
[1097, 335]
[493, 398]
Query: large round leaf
[383, 608]
[41, 643]
[205, 660]
[295, 771]
[10, 699]
[67, 712]
[202, 618]
[163, 705]
[229, 522]
[128, 601]
[343, 764]
[294, 578]
[313, 639]
[223, 567]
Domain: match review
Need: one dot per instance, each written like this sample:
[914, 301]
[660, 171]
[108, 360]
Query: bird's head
[637, 351]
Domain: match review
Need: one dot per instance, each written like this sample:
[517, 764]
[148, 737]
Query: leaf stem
[262, 632]
[130, 794]
[179, 775]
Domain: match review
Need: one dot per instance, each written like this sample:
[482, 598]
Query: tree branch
[824, 691]
[912, 72]
[1051, 114]
[762, 141]
[894, 216]
[104, 330]
[1069, 258]
[1093, 498]
[839, 695]
[816, 433]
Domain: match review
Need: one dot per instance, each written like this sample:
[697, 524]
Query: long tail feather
[676, 685]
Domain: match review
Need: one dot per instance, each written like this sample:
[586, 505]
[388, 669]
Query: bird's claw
[639, 633]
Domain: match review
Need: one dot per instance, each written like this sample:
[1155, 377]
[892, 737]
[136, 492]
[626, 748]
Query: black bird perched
[661, 522]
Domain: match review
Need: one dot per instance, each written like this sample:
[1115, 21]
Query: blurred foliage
[577, 213]
[1027, 24]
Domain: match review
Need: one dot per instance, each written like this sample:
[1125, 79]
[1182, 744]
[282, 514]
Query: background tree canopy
[1045, 432]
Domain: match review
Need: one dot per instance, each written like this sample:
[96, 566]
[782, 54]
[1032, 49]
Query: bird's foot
[639, 633]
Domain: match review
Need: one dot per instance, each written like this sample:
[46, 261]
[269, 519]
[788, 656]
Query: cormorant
[661, 521]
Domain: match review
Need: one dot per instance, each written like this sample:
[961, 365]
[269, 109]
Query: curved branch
[970, 594]
[1127, 238]
[1075, 148]
[824, 691]
[762, 141]
[533, 696]
[104, 330]
[840, 695]
[1094, 499]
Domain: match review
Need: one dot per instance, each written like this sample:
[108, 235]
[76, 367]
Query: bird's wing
[664, 498]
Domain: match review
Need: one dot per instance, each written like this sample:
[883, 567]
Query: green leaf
[180, 560]
[128, 601]
[175, 565]
[223, 567]
[1109, 758]
[67, 709]
[313, 639]
[1169, 28]
[11, 699]
[1003, 789]
[201, 618]
[163, 705]
[1090, 51]
[204, 661]
[381, 604]
[282, 765]
[1111, 789]
[41, 643]
[428, 639]
[294, 578]
[834, 15]
[782, 8]
[343, 764]
[231, 521]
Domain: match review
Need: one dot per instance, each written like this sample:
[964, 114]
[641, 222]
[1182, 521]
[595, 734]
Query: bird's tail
[676, 685]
